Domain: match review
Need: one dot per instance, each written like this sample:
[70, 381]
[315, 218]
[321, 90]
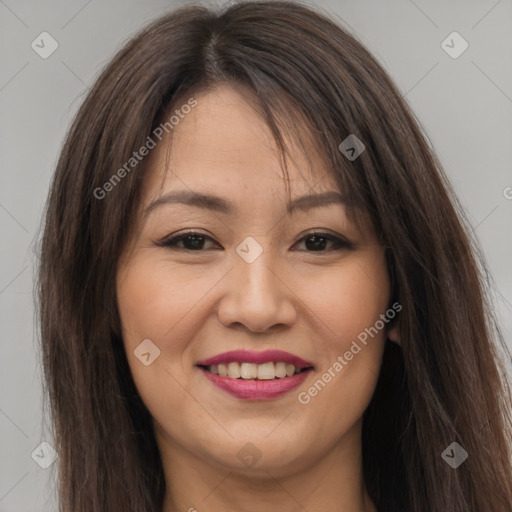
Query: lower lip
[256, 389]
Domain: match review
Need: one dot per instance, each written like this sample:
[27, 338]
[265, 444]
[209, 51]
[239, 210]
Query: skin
[196, 304]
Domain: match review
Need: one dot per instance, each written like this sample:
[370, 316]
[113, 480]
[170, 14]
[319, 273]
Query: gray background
[464, 105]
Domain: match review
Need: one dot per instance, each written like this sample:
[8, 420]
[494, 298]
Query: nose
[258, 297]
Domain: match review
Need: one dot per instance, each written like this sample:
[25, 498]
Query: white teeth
[233, 370]
[280, 370]
[265, 371]
[248, 370]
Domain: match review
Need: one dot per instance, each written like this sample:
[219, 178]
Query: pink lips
[249, 356]
[256, 389]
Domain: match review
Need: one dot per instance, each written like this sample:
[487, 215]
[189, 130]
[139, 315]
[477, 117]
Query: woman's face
[252, 279]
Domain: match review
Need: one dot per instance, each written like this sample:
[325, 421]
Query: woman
[256, 289]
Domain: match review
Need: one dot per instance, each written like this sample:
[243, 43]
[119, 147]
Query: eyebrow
[221, 205]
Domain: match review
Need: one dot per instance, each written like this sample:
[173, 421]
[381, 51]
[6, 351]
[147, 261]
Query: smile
[251, 371]
[255, 375]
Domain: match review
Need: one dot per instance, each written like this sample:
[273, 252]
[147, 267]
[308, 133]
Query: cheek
[350, 342]
[158, 302]
[155, 304]
[350, 300]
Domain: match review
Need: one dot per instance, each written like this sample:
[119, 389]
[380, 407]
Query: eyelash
[337, 242]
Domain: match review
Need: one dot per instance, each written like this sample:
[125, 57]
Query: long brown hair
[446, 382]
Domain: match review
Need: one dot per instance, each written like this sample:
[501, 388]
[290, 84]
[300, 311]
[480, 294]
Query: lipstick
[267, 375]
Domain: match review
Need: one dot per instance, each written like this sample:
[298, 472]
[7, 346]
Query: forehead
[224, 143]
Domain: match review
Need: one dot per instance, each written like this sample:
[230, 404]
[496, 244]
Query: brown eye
[323, 242]
[190, 241]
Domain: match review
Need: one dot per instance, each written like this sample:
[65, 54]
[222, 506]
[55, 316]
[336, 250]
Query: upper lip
[251, 356]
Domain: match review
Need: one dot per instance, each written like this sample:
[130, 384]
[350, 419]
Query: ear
[393, 335]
